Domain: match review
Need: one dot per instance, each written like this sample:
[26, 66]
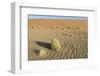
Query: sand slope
[72, 35]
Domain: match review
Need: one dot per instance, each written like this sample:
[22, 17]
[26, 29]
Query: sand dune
[72, 34]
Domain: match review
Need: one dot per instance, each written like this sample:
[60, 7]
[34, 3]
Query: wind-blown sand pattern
[72, 35]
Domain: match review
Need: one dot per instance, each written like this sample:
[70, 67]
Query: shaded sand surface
[72, 35]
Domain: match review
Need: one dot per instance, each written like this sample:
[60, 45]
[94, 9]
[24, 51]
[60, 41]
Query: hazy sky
[54, 17]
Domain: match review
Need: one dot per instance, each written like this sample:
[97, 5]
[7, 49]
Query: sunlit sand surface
[72, 35]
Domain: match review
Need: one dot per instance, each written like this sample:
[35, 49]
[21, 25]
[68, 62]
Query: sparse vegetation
[33, 27]
[63, 28]
[51, 39]
[52, 27]
[68, 27]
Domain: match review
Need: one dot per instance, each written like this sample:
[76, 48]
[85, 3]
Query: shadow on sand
[37, 51]
[44, 44]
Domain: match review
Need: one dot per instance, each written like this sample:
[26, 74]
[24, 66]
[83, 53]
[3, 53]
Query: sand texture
[72, 35]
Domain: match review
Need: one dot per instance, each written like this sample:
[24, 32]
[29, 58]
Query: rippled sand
[72, 35]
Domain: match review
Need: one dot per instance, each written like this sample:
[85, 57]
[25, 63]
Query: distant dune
[72, 34]
[49, 23]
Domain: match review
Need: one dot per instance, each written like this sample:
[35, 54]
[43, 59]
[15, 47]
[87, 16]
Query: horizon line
[55, 17]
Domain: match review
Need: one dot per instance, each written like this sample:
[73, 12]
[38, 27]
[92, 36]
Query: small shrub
[63, 28]
[68, 27]
[55, 44]
[52, 27]
[33, 27]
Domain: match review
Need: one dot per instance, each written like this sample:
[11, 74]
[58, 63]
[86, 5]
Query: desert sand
[72, 35]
